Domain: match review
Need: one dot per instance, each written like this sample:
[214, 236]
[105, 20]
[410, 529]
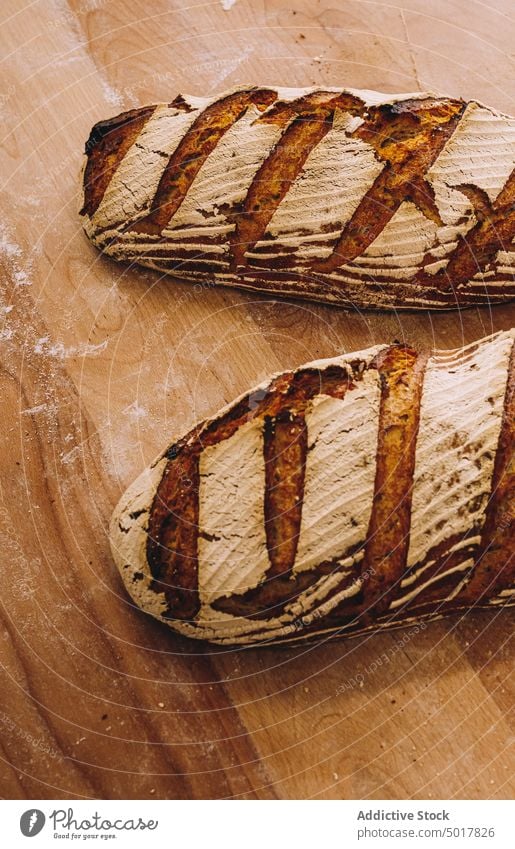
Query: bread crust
[334, 195]
[351, 494]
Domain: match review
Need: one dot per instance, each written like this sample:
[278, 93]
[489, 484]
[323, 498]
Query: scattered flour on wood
[75, 46]
[227, 4]
[135, 411]
[19, 267]
[75, 453]
[57, 349]
[111, 95]
[39, 408]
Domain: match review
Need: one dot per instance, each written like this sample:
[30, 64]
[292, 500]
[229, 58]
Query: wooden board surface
[101, 366]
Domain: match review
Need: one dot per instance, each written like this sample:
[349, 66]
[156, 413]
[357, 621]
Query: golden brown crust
[311, 119]
[332, 541]
[108, 143]
[285, 450]
[172, 545]
[401, 371]
[173, 527]
[464, 263]
[494, 231]
[198, 142]
[495, 570]
[407, 138]
[172, 536]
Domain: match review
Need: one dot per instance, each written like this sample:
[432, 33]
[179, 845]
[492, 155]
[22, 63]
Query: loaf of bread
[361, 492]
[349, 197]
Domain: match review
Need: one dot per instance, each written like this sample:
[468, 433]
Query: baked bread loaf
[360, 492]
[343, 196]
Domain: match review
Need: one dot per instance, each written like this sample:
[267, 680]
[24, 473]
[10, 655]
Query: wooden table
[102, 366]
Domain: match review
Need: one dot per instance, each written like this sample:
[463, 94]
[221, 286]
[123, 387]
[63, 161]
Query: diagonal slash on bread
[334, 195]
[354, 493]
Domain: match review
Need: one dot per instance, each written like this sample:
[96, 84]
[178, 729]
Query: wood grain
[103, 365]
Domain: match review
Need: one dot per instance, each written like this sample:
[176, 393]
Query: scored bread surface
[343, 196]
[353, 493]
